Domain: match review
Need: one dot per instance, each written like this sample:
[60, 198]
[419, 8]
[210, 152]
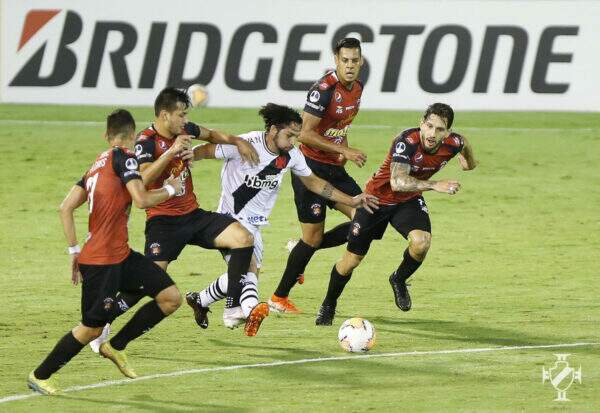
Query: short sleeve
[299, 166]
[81, 182]
[144, 150]
[457, 142]
[402, 150]
[125, 166]
[317, 100]
[223, 151]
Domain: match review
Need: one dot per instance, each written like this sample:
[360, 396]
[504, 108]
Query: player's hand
[75, 273]
[187, 155]
[247, 152]
[447, 187]
[182, 143]
[356, 156]
[366, 201]
[175, 182]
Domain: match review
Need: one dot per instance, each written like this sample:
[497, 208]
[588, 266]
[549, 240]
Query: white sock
[216, 291]
[249, 297]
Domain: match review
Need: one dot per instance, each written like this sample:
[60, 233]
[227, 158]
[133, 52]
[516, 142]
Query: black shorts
[404, 217]
[310, 206]
[101, 283]
[167, 235]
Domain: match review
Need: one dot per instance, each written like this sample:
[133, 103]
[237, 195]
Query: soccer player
[249, 194]
[331, 105]
[415, 155]
[106, 264]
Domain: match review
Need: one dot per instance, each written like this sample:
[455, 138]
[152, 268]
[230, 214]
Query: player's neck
[162, 130]
[271, 144]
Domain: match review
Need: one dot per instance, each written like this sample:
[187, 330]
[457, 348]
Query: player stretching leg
[415, 155]
[249, 194]
[331, 105]
[106, 264]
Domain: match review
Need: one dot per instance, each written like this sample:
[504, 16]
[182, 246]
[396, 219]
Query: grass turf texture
[514, 261]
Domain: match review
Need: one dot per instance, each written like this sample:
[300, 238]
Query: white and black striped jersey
[248, 193]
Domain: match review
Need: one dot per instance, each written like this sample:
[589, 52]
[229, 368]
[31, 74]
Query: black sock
[238, 265]
[125, 300]
[142, 321]
[408, 266]
[66, 348]
[337, 282]
[296, 264]
[335, 236]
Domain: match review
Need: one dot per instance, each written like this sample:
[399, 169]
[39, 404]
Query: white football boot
[233, 317]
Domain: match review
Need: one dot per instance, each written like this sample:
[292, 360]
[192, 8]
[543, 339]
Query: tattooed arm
[401, 181]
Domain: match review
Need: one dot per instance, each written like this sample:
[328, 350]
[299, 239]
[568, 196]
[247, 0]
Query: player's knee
[169, 300]
[313, 239]
[420, 241]
[88, 334]
[349, 263]
[243, 238]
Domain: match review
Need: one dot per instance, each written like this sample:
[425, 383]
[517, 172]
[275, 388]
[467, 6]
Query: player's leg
[365, 227]
[139, 271]
[412, 221]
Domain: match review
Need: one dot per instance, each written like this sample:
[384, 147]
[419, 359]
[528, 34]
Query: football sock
[66, 348]
[335, 236]
[249, 297]
[238, 265]
[337, 282]
[142, 321]
[217, 290]
[408, 266]
[296, 264]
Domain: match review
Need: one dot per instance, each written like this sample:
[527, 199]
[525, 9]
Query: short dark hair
[279, 116]
[443, 111]
[168, 98]
[348, 43]
[119, 122]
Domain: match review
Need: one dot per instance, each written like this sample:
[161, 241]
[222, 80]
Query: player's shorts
[101, 283]
[311, 208]
[404, 217]
[167, 235]
[258, 243]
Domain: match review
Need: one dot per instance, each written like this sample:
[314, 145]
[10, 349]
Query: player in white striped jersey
[249, 194]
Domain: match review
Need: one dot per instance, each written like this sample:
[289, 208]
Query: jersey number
[90, 186]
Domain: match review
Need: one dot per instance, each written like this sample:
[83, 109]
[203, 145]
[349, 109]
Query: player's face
[284, 139]
[433, 132]
[175, 120]
[348, 62]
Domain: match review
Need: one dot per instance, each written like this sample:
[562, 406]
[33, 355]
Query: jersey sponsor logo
[443, 164]
[337, 133]
[269, 182]
[320, 108]
[316, 209]
[400, 147]
[418, 157]
[338, 97]
[256, 219]
[314, 96]
[129, 173]
[131, 164]
[339, 109]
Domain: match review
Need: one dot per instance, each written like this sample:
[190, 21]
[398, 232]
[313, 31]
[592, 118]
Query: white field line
[242, 124]
[300, 361]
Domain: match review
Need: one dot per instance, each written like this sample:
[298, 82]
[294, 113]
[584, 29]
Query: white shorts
[258, 243]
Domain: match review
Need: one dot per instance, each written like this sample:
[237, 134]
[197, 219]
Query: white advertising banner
[475, 55]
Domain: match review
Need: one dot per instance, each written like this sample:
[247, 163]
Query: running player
[249, 194]
[106, 264]
[415, 155]
[331, 105]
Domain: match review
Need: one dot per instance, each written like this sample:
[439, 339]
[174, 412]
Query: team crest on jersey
[108, 303]
[155, 248]
[338, 97]
[314, 96]
[355, 229]
[316, 209]
[281, 162]
[418, 157]
[162, 144]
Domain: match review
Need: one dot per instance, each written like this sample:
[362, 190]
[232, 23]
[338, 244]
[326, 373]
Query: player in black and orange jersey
[415, 155]
[331, 105]
[178, 222]
[106, 264]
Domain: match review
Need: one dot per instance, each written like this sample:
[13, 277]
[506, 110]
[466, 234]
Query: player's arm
[326, 190]
[74, 199]
[401, 181]
[246, 150]
[206, 151]
[465, 157]
[151, 170]
[142, 198]
[310, 137]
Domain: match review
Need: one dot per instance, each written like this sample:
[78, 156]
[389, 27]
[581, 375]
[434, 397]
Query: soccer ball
[357, 335]
[198, 95]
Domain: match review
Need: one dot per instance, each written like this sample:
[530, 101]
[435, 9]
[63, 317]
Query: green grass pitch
[514, 262]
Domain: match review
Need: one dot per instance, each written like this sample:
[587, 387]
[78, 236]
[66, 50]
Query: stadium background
[514, 258]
